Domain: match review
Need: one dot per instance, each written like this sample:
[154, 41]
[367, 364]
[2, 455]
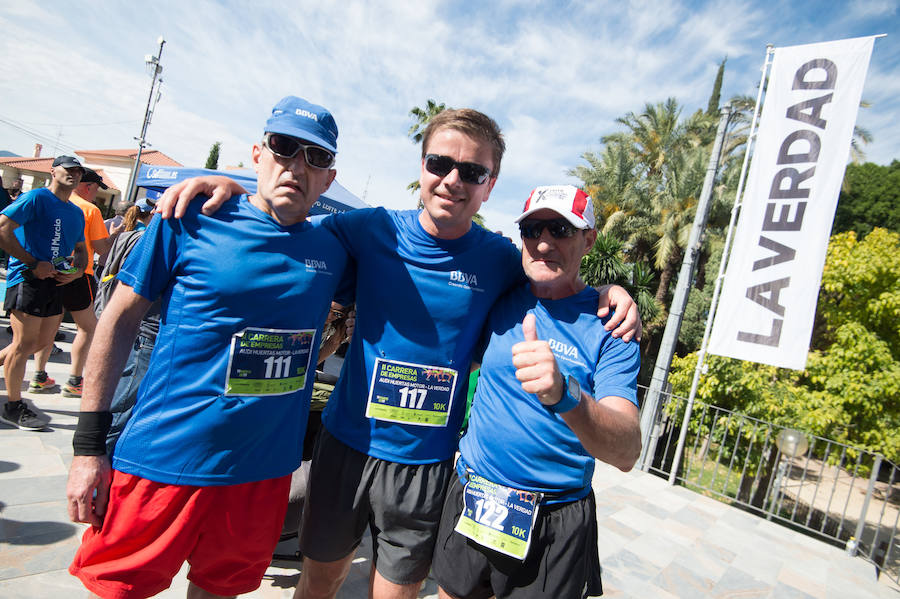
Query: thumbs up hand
[536, 366]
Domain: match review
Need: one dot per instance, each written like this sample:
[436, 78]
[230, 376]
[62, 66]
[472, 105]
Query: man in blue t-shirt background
[556, 391]
[40, 231]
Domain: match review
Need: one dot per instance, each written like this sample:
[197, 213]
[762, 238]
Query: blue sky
[555, 77]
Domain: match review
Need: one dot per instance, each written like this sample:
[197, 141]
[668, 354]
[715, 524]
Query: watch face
[574, 389]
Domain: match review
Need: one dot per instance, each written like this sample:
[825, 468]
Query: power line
[44, 138]
[61, 125]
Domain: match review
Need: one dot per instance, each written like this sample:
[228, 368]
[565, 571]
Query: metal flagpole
[649, 418]
[153, 63]
[738, 200]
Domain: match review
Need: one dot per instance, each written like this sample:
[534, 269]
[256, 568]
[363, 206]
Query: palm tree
[653, 134]
[673, 210]
[422, 116]
[611, 181]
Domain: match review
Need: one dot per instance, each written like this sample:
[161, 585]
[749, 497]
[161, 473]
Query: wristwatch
[571, 396]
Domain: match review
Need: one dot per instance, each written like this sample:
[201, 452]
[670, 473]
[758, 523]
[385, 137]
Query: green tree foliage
[849, 391]
[861, 284]
[712, 108]
[212, 161]
[870, 198]
[646, 184]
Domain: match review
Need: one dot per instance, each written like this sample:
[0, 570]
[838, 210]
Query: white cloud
[555, 76]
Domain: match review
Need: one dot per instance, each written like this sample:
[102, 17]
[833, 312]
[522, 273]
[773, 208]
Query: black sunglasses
[469, 172]
[287, 147]
[559, 228]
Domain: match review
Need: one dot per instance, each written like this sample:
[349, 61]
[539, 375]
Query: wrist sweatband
[566, 402]
[90, 433]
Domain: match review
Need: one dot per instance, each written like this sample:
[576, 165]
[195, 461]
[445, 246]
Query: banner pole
[738, 200]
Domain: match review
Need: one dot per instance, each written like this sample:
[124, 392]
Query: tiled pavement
[656, 541]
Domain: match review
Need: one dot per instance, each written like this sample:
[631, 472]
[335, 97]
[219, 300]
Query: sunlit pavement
[655, 541]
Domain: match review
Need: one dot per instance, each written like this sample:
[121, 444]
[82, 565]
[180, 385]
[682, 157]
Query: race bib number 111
[268, 361]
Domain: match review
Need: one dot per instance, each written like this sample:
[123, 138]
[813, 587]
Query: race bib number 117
[411, 393]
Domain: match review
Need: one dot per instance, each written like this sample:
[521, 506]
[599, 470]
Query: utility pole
[155, 69]
[650, 412]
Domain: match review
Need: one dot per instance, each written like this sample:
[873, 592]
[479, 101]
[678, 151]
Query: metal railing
[844, 495]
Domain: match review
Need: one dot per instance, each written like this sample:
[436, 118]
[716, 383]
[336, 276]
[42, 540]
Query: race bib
[411, 393]
[64, 265]
[268, 361]
[498, 517]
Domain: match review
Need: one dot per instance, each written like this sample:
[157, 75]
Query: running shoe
[20, 415]
[41, 383]
[73, 387]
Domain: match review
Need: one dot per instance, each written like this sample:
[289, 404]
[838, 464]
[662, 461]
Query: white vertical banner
[774, 271]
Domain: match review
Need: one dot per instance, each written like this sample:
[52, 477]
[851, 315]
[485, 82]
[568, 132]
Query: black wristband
[90, 434]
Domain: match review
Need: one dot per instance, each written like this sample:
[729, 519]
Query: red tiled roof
[153, 157]
[41, 165]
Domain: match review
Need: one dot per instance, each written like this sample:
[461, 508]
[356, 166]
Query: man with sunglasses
[425, 283]
[556, 391]
[202, 470]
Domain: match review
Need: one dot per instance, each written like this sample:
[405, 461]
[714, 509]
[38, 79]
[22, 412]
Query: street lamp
[790, 443]
[154, 68]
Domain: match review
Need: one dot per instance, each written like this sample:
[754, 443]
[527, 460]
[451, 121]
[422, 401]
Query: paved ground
[656, 541]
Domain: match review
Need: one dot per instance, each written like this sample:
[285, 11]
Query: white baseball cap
[566, 200]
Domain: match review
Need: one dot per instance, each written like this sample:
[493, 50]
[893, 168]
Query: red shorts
[226, 533]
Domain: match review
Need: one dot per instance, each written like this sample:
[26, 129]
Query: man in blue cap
[39, 231]
[201, 472]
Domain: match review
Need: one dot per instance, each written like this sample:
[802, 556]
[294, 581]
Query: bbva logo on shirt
[564, 350]
[319, 266]
[465, 280]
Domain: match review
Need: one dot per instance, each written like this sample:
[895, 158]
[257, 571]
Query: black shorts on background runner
[36, 297]
[79, 294]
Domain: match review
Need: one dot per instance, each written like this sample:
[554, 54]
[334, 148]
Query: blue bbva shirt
[49, 229]
[235, 271]
[421, 304]
[512, 438]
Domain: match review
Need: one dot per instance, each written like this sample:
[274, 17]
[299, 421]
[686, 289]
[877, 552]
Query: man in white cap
[40, 231]
[202, 470]
[556, 391]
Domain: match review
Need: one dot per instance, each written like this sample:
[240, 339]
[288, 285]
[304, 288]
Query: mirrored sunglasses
[287, 147]
[469, 172]
[559, 228]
